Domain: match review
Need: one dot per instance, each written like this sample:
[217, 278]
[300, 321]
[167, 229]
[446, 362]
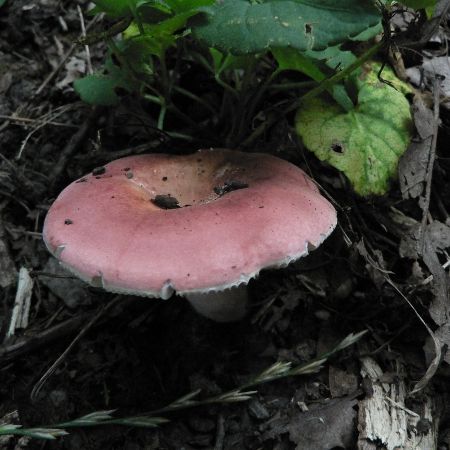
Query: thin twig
[432, 368]
[72, 146]
[16, 199]
[27, 120]
[220, 436]
[65, 58]
[30, 343]
[430, 166]
[38, 127]
[38, 386]
[402, 407]
[86, 47]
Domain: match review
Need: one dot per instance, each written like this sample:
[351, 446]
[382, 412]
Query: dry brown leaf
[324, 426]
[412, 168]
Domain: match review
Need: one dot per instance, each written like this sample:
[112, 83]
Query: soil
[134, 355]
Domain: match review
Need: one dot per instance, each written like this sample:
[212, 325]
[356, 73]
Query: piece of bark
[384, 419]
[8, 272]
[21, 309]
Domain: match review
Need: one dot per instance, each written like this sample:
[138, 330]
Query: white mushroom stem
[224, 306]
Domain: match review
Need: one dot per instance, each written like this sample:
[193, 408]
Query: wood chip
[383, 417]
[21, 309]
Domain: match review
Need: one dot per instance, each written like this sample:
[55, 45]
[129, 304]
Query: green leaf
[160, 5]
[101, 89]
[243, 26]
[366, 142]
[336, 59]
[137, 48]
[153, 11]
[292, 59]
[428, 5]
[419, 4]
[223, 62]
[156, 38]
[97, 89]
[114, 8]
[180, 6]
[333, 57]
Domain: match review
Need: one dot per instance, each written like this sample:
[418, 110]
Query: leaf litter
[146, 354]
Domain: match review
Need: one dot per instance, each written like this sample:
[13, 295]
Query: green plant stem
[165, 79]
[323, 86]
[161, 101]
[293, 85]
[183, 116]
[162, 115]
[249, 74]
[117, 53]
[226, 86]
[329, 82]
[182, 136]
[153, 99]
[136, 17]
[196, 98]
[203, 61]
[245, 109]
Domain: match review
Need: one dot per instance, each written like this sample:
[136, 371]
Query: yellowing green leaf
[366, 142]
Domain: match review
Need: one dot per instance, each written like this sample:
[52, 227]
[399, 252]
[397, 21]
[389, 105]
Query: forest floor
[139, 355]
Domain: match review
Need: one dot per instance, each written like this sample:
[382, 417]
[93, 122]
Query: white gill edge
[168, 289]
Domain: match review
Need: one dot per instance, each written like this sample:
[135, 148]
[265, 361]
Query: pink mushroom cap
[239, 213]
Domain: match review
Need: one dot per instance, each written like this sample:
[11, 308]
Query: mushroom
[200, 225]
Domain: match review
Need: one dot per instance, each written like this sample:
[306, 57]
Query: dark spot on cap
[81, 180]
[126, 169]
[164, 178]
[165, 202]
[99, 171]
[308, 28]
[129, 175]
[68, 222]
